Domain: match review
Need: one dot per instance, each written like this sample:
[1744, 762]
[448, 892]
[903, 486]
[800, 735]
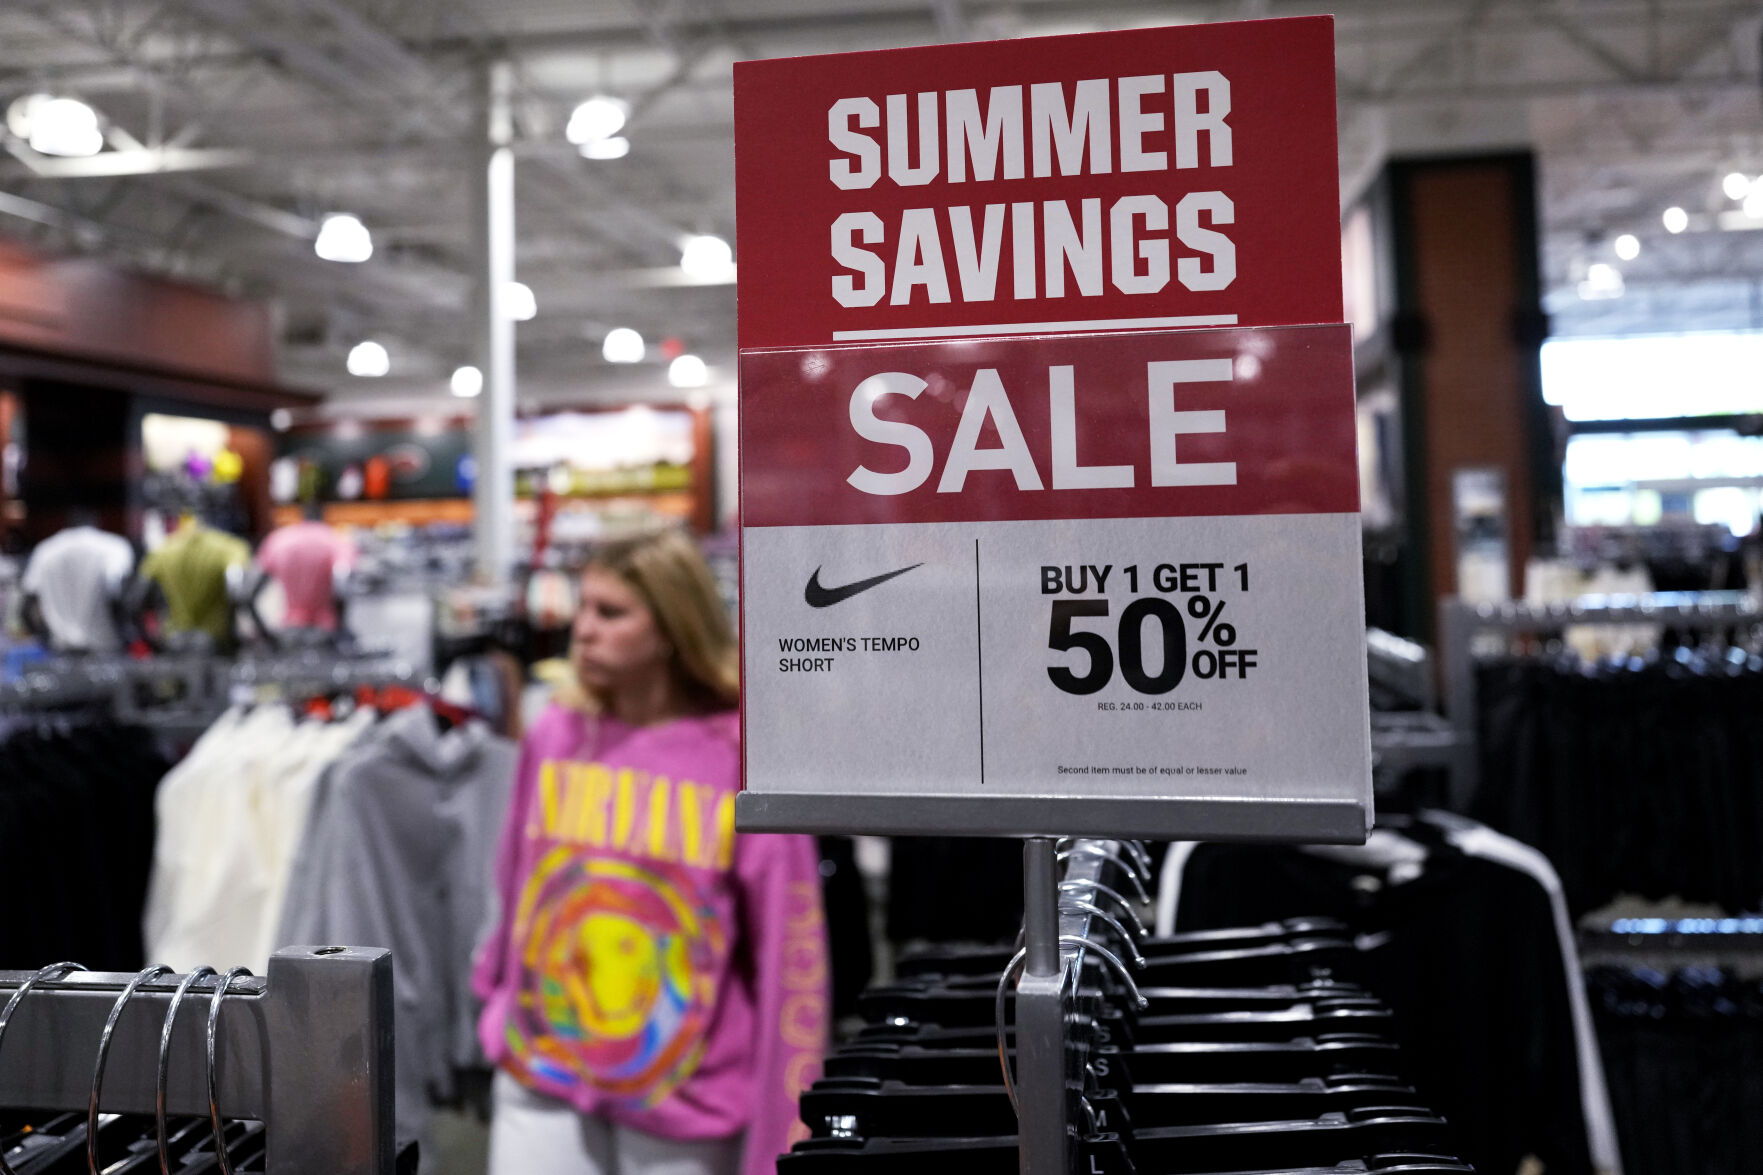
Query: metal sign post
[1049, 498]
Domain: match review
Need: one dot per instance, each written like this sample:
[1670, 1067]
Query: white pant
[531, 1134]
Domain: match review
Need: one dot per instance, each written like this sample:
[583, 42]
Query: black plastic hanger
[945, 961]
[1204, 1061]
[890, 1109]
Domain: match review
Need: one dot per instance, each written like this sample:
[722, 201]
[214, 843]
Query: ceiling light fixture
[519, 302]
[688, 371]
[616, 147]
[342, 237]
[623, 345]
[1676, 219]
[369, 360]
[1735, 185]
[56, 126]
[1601, 281]
[1628, 246]
[1753, 204]
[18, 114]
[600, 117]
[707, 258]
[467, 382]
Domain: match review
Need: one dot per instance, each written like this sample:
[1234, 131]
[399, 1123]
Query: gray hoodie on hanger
[398, 853]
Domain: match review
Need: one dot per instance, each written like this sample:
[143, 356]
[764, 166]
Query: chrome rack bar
[306, 1050]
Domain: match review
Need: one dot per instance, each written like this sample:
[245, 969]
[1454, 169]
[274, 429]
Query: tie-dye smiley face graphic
[618, 967]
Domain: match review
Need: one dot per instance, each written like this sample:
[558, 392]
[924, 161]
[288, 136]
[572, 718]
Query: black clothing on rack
[76, 830]
[847, 922]
[1640, 779]
[1683, 1055]
[1466, 954]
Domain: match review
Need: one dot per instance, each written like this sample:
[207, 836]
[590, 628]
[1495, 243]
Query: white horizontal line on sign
[1029, 328]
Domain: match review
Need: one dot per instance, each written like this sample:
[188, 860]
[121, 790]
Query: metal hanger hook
[1089, 1113]
[128, 993]
[1108, 891]
[1091, 849]
[1134, 849]
[53, 970]
[220, 990]
[1095, 911]
[171, 1016]
[1016, 961]
[1088, 944]
[1142, 855]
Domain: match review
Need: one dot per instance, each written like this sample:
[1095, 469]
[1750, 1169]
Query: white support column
[493, 270]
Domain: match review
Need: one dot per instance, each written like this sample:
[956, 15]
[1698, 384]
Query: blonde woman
[655, 994]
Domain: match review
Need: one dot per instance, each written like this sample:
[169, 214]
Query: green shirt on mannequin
[191, 570]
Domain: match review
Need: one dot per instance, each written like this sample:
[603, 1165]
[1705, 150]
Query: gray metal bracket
[306, 1050]
[1049, 1071]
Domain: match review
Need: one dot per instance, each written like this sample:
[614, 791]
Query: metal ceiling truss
[237, 123]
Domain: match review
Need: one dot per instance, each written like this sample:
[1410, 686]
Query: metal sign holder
[1050, 1059]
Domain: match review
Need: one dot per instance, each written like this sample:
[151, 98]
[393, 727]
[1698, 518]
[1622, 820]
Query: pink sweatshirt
[650, 966]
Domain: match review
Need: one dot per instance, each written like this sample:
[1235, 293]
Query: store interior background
[1552, 241]
[1508, 173]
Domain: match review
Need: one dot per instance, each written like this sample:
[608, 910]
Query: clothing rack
[1462, 626]
[1401, 666]
[1404, 740]
[1693, 543]
[190, 690]
[313, 671]
[306, 1050]
[1669, 943]
[1417, 737]
[64, 682]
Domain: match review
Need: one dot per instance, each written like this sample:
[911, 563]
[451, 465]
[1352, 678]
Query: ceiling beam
[142, 161]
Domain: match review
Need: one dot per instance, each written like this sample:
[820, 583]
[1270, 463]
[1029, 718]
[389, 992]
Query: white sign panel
[1106, 585]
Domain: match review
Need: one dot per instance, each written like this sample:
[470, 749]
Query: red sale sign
[1135, 180]
[1049, 502]
[1162, 424]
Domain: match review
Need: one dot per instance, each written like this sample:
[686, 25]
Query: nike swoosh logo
[825, 597]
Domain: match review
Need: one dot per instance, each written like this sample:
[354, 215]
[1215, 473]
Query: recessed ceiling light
[369, 360]
[688, 371]
[56, 126]
[1676, 219]
[616, 147]
[342, 237]
[623, 345]
[467, 382]
[707, 258]
[1628, 246]
[600, 117]
[1601, 281]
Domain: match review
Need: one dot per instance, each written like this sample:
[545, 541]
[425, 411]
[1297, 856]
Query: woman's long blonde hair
[667, 572]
